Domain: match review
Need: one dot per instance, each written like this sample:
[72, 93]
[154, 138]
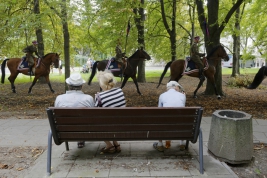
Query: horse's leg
[33, 83]
[136, 84]
[11, 79]
[199, 85]
[49, 84]
[125, 79]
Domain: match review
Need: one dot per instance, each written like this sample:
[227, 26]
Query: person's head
[118, 48]
[106, 80]
[35, 43]
[174, 85]
[196, 39]
[75, 81]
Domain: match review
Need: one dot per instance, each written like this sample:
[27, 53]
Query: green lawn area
[149, 74]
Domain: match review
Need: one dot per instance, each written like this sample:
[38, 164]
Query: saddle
[23, 65]
[113, 65]
[190, 66]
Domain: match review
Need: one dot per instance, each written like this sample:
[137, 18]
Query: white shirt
[74, 98]
[172, 98]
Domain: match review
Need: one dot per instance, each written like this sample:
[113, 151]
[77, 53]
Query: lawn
[149, 74]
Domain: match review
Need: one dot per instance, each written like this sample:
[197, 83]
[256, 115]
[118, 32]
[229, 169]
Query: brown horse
[43, 69]
[213, 58]
[130, 70]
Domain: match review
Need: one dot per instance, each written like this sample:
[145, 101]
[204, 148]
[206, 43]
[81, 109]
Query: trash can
[231, 136]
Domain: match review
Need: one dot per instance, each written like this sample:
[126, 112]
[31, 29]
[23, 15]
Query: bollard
[231, 136]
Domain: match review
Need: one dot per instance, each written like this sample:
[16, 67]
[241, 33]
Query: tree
[215, 27]
[139, 21]
[66, 36]
[171, 31]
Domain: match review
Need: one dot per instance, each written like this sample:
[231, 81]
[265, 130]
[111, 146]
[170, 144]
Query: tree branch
[229, 14]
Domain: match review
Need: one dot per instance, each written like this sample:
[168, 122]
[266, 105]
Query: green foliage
[240, 81]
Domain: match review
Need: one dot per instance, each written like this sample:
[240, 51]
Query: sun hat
[75, 80]
[173, 84]
[34, 42]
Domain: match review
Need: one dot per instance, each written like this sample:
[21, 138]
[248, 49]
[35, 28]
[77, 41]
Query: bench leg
[49, 152]
[201, 169]
[67, 146]
[187, 144]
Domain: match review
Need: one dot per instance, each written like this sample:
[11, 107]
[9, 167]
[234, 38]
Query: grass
[149, 74]
[228, 71]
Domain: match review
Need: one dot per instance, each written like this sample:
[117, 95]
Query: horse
[17, 65]
[259, 77]
[178, 68]
[129, 71]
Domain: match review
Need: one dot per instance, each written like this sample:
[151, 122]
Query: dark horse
[213, 58]
[42, 69]
[259, 77]
[130, 70]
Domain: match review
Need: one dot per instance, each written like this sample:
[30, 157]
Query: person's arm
[160, 104]
[195, 51]
[36, 53]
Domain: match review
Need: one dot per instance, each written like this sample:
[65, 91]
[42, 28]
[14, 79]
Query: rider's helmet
[196, 37]
[34, 42]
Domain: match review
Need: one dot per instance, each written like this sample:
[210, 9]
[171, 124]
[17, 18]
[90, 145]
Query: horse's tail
[258, 78]
[164, 72]
[3, 66]
[93, 72]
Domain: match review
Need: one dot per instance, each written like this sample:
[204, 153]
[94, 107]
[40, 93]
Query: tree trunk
[139, 21]
[66, 37]
[39, 34]
[236, 47]
[171, 31]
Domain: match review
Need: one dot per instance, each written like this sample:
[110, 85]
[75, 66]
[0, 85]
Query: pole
[127, 33]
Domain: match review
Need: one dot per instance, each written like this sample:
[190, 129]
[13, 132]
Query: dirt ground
[22, 105]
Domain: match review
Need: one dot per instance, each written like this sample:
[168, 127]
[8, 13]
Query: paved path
[137, 159]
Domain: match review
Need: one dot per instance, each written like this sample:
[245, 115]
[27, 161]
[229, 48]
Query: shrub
[240, 81]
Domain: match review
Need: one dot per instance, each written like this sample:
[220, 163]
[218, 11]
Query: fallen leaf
[3, 166]
[20, 169]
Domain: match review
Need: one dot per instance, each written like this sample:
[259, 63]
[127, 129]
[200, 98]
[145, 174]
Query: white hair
[106, 80]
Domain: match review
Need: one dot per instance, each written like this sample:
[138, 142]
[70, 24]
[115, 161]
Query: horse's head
[142, 54]
[55, 60]
[222, 53]
[218, 52]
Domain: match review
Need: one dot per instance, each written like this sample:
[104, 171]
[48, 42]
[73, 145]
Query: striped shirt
[111, 98]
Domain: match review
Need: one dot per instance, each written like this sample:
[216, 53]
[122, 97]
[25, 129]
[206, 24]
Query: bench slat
[128, 127]
[142, 135]
[72, 112]
[125, 120]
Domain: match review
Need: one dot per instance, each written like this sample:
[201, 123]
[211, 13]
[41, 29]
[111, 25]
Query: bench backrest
[129, 123]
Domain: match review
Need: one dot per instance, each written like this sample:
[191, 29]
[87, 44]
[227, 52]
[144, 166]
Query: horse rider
[29, 50]
[119, 56]
[195, 56]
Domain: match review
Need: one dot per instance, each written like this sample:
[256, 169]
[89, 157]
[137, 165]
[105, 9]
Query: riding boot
[30, 70]
[201, 75]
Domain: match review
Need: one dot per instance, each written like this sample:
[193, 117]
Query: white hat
[173, 84]
[75, 80]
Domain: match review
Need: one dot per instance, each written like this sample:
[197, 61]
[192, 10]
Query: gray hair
[71, 87]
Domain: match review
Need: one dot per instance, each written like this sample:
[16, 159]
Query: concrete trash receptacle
[231, 136]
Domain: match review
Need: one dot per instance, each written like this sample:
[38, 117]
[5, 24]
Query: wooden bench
[124, 124]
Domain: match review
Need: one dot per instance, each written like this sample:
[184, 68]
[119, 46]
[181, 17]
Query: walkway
[137, 159]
